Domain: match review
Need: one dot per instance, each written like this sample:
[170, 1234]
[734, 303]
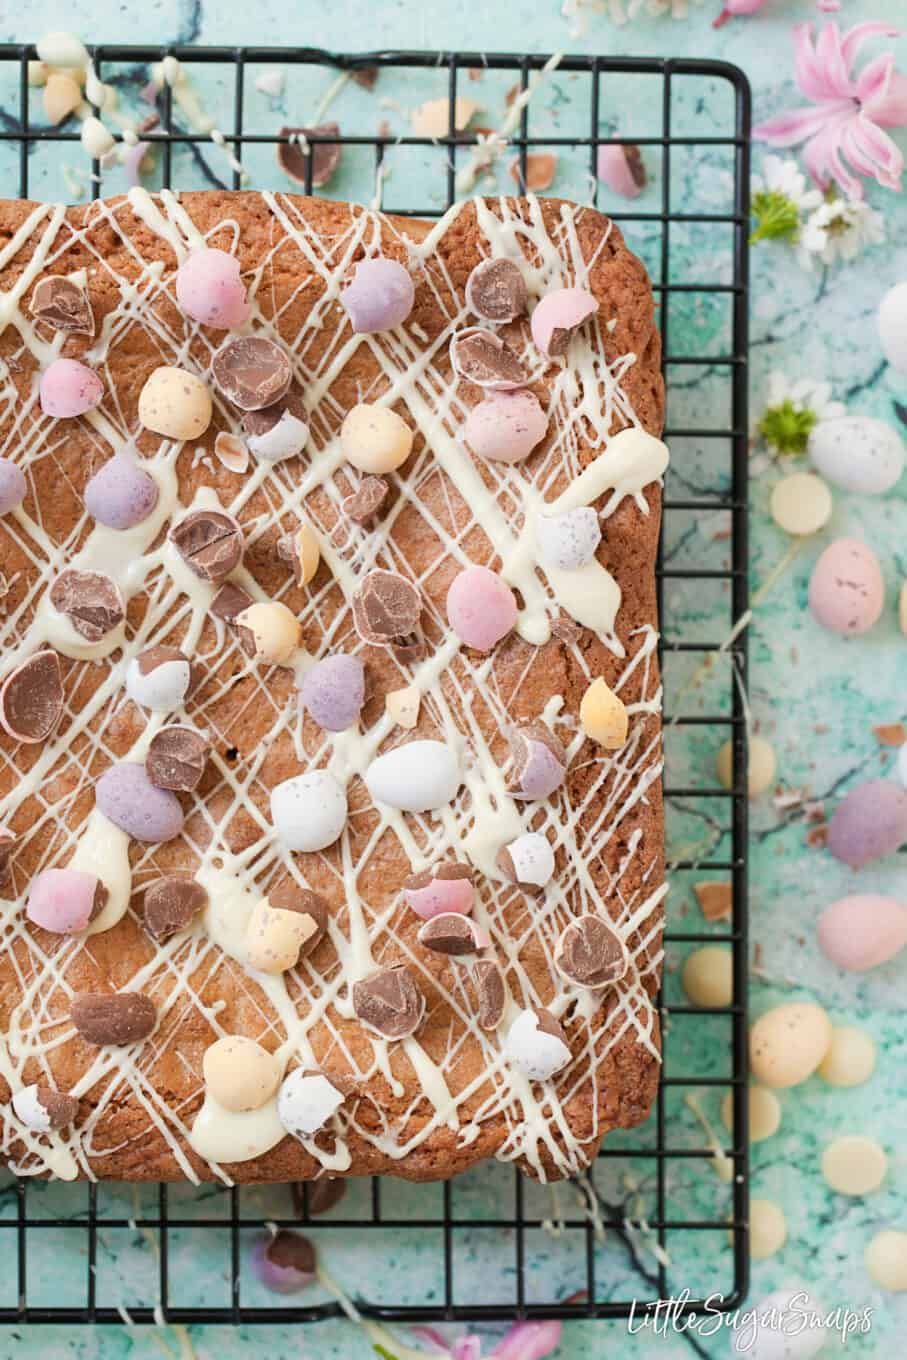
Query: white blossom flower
[622, 11]
[792, 409]
[839, 230]
[780, 200]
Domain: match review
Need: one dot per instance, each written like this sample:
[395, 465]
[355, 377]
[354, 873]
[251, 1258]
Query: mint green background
[814, 696]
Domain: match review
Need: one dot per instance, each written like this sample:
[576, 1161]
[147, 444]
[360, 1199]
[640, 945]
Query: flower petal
[882, 92]
[794, 126]
[808, 71]
[831, 60]
[876, 146]
[528, 1341]
[855, 37]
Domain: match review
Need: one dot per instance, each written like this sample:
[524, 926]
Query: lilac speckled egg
[284, 1261]
[333, 691]
[128, 798]
[506, 426]
[846, 590]
[557, 316]
[12, 486]
[862, 931]
[869, 823]
[380, 296]
[209, 289]
[121, 494]
[63, 900]
[481, 608]
[68, 388]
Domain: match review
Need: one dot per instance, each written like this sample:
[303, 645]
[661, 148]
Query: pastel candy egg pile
[862, 931]
[309, 811]
[68, 388]
[375, 439]
[481, 608]
[127, 797]
[306, 1101]
[175, 403]
[558, 315]
[442, 889]
[65, 900]
[159, 678]
[537, 1045]
[788, 1043]
[239, 1074]
[380, 295]
[209, 289]
[271, 631]
[869, 823]
[333, 691]
[506, 426]
[121, 494]
[846, 590]
[892, 322]
[12, 486]
[417, 777]
[858, 453]
[568, 540]
[284, 1261]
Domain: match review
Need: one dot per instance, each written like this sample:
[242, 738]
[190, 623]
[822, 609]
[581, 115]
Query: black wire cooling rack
[652, 1219]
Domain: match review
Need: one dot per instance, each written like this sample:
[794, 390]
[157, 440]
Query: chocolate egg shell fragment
[31, 698]
[482, 358]
[527, 861]
[365, 503]
[176, 758]
[537, 1045]
[62, 304]
[171, 905]
[252, 371]
[539, 762]
[121, 494]
[386, 608]
[389, 1002]
[294, 157]
[558, 316]
[451, 932]
[496, 291]
[43, 1109]
[306, 1101]
[491, 993]
[113, 1019]
[127, 797]
[159, 678]
[280, 430]
[441, 889]
[590, 953]
[91, 601]
[287, 895]
[210, 542]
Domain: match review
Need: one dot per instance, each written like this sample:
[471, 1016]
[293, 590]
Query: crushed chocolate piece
[294, 156]
[229, 601]
[715, 900]
[366, 76]
[386, 609]
[288, 896]
[547, 1024]
[289, 1250]
[176, 758]
[91, 601]
[482, 358]
[257, 423]
[31, 698]
[171, 905]
[496, 291]
[450, 932]
[62, 304]
[252, 371]
[116, 1018]
[60, 1108]
[210, 542]
[389, 1002]
[363, 505]
[635, 164]
[491, 993]
[445, 871]
[322, 1195]
[590, 953]
[8, 842]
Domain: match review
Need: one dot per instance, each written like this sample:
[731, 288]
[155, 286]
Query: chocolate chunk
[450, 932]
[176, 758]
[293, 157]
[447, 871]
[252, 371]
[229, 601]
[161, 654]
[210, 542]
[389, 1002]
[365, 502]
[386, 608]
[8, 842]
[496, 291]
[31, 697]
[63, 304]
[635, 165]
[288, 896]
[366, 76]
[289, 1250]
[116, 1018]
[90, 600]
[311, 1198]
[491, 993]
[171, 905]
[482, 358]
[590, 953]
[547, 1024]
[60, 1108]
[256, 423]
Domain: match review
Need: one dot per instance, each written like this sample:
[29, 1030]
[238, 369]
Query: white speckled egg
[416, 777]
[309, 811]
[858, 453]
[788, 1042]
[568, 540]
[893, 326]
[846, 590]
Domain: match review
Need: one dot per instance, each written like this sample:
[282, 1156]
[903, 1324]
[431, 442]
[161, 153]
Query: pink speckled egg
[846, 590]
[68, 388]
[481, 608]
[862, 931]
[506, 426]
[869, 823]
[558, 316]
[209, 289]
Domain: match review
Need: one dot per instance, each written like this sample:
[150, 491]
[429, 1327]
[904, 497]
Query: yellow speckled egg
[375, 439]
[707, 976]
[764, 1113]
[239, 1073]
[175, 403]
[788, 1043]
[886, 1259]
[761, 766]
[603, 716]
[851, 1057]
[273, 629]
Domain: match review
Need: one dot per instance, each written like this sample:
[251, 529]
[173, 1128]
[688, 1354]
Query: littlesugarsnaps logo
[787, 1313]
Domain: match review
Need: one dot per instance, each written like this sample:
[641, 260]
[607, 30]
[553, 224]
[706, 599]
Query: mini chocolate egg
[892, 322]
[527, 861]
[442, 889]
[857, 453]
[68, 388]
[269, 631]
[854, 1164]
[453, 933]
[286, 438]
[761, 765]
[379, 296]
[603, 715]
[622, 169]
[306, 1101]
[65, 901]
[707, 976]
[159, 678]
[801, 504]
[419, 776]
[284, 1261]
[239, 1074]
[537, 1045]
[860, 932]
[506, 426]
[309, 811]
[44, 1109]
[275, 936]
[885, 1259]
[846, 590]
[209, 289]
[481, 608]
[333, 691]
[764, 1113]
[121, 494]
[496, 290]
[13, 486]
[539, 762]
[788, 1043]
[175, 403]
[869, 823]
[127, 797]
[850, 1059]
[252, 371]
[768, 1229]
[558, 315]
[375, 439]
[568, 540]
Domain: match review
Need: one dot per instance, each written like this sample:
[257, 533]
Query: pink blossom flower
[850, 111]
[523, 1341]
[735, 8]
